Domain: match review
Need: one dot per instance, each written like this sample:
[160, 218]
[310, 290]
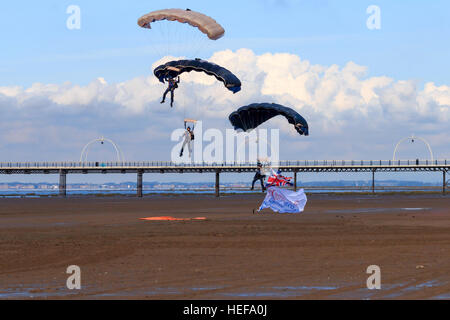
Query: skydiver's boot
[181, 152]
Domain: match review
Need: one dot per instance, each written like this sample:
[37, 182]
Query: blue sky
[406, 60]
[412, 43]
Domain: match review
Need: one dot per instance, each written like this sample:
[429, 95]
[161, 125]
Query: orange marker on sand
[171, 219]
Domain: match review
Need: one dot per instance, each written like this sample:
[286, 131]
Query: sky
[361, 90]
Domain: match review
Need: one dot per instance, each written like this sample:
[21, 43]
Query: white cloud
[348, 111]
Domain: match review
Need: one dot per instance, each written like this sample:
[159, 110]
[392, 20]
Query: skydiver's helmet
[188, 128]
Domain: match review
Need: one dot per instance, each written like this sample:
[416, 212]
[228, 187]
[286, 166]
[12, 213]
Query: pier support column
[373, 181]
[444, 182]
[62, 183]
[217, 183]
[295, 181]
[139, 183]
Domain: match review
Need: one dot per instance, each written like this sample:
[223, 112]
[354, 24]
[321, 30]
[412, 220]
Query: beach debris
[420, 266]
[168, 218]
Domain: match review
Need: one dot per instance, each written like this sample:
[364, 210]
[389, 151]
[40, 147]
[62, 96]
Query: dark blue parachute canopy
[249, 117]
[175, 68]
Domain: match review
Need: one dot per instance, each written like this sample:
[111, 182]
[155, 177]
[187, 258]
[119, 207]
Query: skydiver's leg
[164, 95]
[182, 148]
[171, 98]
[262, 183]
[255, 178]
[253, 184]
[190, 148]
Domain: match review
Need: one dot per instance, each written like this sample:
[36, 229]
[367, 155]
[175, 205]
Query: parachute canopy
[249, 117]
[175, 68]
[205, 24]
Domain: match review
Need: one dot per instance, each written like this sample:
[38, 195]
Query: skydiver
[188, 138]
[173, 84]
[259, 176]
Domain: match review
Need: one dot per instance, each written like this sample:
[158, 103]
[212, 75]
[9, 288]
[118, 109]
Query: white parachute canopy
[284, 201]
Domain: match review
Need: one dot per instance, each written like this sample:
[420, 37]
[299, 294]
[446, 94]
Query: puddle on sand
[362, 210]
[31, 293]
[36, 292]
[413, 288]
[445, 296]
[304, 288]
[260, 294]
[364, 293]
[279, 292]
[155, 291]
[139, 293]
[375, 210]
[403, 288]
[206, 288]
[428, 284]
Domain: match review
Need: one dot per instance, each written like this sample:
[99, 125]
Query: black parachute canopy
[249, 117]
[175, 68]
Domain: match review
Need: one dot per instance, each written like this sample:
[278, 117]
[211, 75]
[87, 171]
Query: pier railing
[293, 166]
[167, 164]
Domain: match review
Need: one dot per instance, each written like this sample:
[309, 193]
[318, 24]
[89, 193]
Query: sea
[36, 193]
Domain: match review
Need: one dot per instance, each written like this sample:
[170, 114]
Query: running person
[258, 176]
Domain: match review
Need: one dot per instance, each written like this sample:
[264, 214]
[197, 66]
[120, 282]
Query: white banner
[284, 201]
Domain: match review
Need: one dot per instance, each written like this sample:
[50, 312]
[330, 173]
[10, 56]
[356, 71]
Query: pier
[296, 167]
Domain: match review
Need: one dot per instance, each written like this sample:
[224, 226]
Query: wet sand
[322, 253]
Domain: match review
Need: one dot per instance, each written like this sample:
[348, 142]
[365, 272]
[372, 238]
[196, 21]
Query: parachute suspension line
[162, 44]
[257, 145]
[165, 39]
[163, 32]
[201, 44]
[174, 40]
[186, 106]
[169, 38]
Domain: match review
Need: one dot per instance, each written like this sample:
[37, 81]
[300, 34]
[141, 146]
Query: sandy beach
[322, 253]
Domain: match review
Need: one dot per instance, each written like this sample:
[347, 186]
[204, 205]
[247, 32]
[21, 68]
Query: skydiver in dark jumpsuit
[259, 176]
[173, 84]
